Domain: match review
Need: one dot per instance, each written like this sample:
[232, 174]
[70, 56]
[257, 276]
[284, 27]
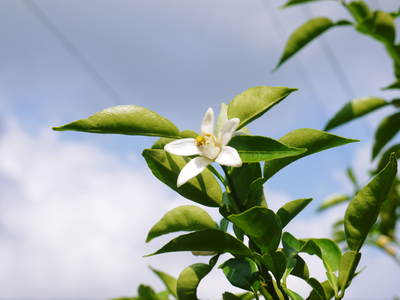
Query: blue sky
[75, 207]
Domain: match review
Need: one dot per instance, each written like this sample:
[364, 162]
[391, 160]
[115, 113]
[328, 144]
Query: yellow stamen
[200, 140]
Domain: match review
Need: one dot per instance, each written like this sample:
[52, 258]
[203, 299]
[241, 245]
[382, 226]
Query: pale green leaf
[254, 102]
[168, 280]
[182, 218]
[296, 2]
[347, 269]
[203, 189]
[311, 139]
[125, 119]
[332, 201]
[213, 240]
[327, 250]
[254, 149]
[385, 131]
[355, 109]
[262, 225]
[363, 210]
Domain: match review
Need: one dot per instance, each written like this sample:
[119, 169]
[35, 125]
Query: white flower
[210, 146]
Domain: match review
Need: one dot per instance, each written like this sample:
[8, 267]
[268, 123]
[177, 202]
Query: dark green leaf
[262, 225]
[276, 263]
[296, 2]
[386, 156]
[300, 268]
[388, 213]
[363, 210]
[304, 35]
[203, 189]
[347, 269]
[255, 196]
[168, 280]
[321, 291]
[311, 139]
[359, 10]
[254, 149]
[125, 119]
[254, 102]
[332, 201]
[241, 179]
[182, 218]
[380, 26]
[145, 292]
[241, 272]
[291, 209]
[230, 296]
[189, 280]
[213, 240]
[355, 109]
[393, 86]
[293, 295]
[385, 131]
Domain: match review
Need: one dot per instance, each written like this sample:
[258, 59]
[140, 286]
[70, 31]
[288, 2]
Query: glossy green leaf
[291, 209]
[347, 269]
[164, 295]
[262, 225]
[255, 196]
[386, 156]
[363, 210]
[203, 189]
[168, 280]
[145, 292]
[254, 102]
[296, 2]
[241, 179]
[241, 272]
[311, 139]
[161, 142]
[304, 35]
[276, 263]
[321, 291]
[355, 109]
[332, 201]
[125, 119]
[189, 280]
[359, 10]
[254, 149]
[385, 131]
[182, 218]
[327, 250]
[300, 268]
[213, 240]
[380, 26]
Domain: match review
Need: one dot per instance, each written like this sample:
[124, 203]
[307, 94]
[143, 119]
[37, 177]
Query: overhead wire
[46, 21]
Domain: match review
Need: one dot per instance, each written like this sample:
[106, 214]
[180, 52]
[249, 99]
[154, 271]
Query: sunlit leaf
[296, 2]
[213, 240]
[333, 200]
[305, 34]
[326, 249]
[380, 26]
[254, 149]
[311, 139]
[291, 209]
[182, 218]
[385, 131]
[347, 269]
[161, 142]
[168, 280]
[386, 156]
[262, 225]
[125, 119]
[254, 102]
[355, 109]
[363, 210]
[203, 189]
[293, 295]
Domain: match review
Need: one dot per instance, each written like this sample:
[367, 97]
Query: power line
[72, 50]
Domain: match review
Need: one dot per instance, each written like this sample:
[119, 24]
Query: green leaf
[182, 218]
[164, 295]
[203, 189]
[189, 280]
[311, 139]
[230, 296]
[386, 156]
[254, 149]
[168, 280]
[359, 10]
[355, 109]
[241, 179]
[304, 35]
[352, 177]
[300, 268]
[394, 86]
[254, 102]
[347, 269]
[161, 142]
[385, 131]
[241, 272]
[145, 292]
[296, 2]
[380, 26]
[388, 213]
[125, 119]
[363, 210]
[255, 196]
[293, 295]
[291, 209]
[213, 240]
[262, 225]
[321, 291]
[276, 263]
[326, 249]
[332, 201]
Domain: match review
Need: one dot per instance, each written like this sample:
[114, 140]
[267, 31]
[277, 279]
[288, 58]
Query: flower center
[208, 146]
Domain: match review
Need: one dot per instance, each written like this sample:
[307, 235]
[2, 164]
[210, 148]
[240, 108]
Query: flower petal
[227, 131]
[222, 118]
[184, 147]
[207, 125]
[229, 157]
[192, 169]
